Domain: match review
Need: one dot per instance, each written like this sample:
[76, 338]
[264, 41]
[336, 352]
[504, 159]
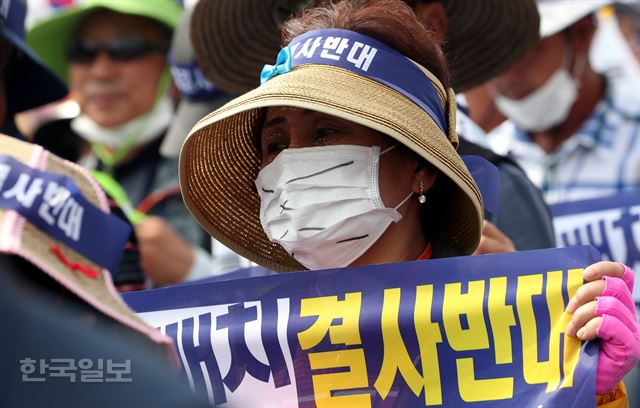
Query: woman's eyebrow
[278, 120]
[281, 120]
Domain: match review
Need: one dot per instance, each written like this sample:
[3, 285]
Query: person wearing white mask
[574, 136]
[522, 220]
[113, 55]
[335, 161]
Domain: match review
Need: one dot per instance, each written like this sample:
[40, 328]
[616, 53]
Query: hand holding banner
[483, 331]
[611, 224]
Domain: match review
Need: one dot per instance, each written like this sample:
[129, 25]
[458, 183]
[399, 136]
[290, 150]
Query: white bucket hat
[556, 15]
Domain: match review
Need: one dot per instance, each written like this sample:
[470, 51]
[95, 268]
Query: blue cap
[28, 82]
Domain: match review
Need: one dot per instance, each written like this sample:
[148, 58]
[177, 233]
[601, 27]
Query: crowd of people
[312, 135]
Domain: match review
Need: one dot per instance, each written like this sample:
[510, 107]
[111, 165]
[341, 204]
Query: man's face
[113, 90]
[534, 69]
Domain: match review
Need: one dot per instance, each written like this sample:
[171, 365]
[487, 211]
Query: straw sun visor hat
[484, 38]
[50, 38]
[556, 15]
[220, 159]
[54, 215]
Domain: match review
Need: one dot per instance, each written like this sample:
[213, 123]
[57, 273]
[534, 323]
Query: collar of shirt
[468, 129]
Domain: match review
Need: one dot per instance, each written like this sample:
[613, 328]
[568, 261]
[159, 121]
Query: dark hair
[391, 21]
[412, 3]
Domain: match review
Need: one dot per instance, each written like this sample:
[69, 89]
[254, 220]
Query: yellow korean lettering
[326, 384]
[329, 308]
[395, 358]
[470, 304]
[535, 371]
[502, 318]
[473, 390]
[571, 344]
[429, 336]
[348, 333]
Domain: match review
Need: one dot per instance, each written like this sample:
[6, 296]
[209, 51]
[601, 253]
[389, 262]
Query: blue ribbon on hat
[54, 204]
[282, 66]
[364, 56]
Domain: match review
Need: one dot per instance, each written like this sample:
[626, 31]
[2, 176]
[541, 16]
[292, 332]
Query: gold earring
[421, 197]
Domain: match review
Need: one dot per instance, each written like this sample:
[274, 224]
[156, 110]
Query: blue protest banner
[54, 203]
[611, 224]
[482, 331]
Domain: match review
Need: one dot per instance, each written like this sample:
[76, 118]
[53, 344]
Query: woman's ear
[427, 174]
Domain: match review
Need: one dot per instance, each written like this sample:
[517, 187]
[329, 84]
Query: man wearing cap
[112, 54]
[576, 133]
[25, 82]
[55, 295]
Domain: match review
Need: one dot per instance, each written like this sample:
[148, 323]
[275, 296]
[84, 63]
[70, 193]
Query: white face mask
[545, 107]
[138, 130]
[322, 204]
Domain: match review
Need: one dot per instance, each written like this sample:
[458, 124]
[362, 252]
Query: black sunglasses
[119, 49]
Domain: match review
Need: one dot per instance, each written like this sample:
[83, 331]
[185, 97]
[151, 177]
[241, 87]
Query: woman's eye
[275, 147]
[325, 132]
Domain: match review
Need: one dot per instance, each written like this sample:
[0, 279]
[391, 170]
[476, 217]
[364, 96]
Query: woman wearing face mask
[345, 155]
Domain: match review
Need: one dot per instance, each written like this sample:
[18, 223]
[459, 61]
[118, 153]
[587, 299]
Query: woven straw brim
[233, 39]
[28, 241]
[486, 37]
[220, 161]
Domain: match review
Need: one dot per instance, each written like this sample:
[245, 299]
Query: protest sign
[482, 331]
[611, 224]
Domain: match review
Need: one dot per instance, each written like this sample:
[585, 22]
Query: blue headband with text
[53, 203]
[364, 56]
[373, 59]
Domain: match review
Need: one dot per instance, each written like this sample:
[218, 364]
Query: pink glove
[620, 345]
